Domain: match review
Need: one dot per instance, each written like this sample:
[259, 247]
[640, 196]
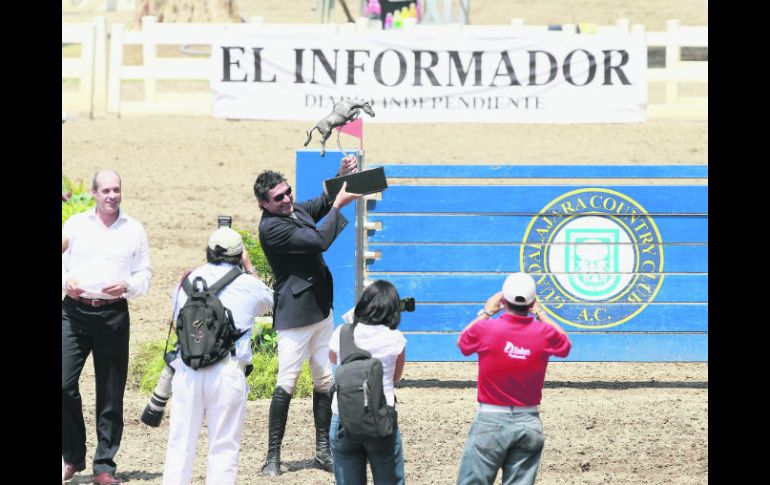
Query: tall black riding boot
[279, 411]
[322, 414]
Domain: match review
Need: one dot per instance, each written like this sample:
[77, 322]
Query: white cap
[226, 241]
[519, 289]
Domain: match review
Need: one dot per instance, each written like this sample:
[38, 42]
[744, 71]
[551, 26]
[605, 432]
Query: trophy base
[364, 182]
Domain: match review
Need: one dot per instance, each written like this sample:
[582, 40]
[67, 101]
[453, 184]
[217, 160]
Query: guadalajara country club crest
[596, 256]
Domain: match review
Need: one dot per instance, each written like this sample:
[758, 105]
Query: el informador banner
[422, 77]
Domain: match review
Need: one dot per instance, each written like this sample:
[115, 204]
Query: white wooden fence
[677, 71]
[89, 68]
[155, 68]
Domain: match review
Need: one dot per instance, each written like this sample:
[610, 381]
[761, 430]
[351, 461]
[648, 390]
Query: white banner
[419, 77]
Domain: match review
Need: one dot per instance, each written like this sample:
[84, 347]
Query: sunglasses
[279, 197]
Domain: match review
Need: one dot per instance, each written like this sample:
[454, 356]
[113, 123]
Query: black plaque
[364, 182]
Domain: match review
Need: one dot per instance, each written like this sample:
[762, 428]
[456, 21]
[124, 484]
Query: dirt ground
[605, 423]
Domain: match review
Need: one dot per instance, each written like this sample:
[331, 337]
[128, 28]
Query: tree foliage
[75, 197]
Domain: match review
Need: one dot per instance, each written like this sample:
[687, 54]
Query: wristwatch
[484, 312]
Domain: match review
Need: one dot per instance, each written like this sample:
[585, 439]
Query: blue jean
[386, 457]
[511, 441]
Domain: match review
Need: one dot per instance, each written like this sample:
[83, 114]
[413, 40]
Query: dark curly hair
[265, 182]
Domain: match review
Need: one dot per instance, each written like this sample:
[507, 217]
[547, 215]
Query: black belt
[96, 302]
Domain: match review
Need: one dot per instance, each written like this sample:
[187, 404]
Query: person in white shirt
[106, 261]
[218, 391]
[378, 313]
[64, 244]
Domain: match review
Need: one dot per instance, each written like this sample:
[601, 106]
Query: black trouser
[103, 331]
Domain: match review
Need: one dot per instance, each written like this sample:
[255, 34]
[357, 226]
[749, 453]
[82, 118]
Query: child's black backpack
[204, 327]
[363, 411]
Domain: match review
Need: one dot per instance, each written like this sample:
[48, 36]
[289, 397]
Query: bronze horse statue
[343, 112]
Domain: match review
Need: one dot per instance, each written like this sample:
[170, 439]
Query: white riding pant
[219, 393]
[312, 343]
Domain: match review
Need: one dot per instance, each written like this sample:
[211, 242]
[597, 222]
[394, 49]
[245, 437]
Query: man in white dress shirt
[218, 391]
[107, 261]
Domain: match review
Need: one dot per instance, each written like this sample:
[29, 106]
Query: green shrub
[263, 378]
[144, 369]
[264, 339]
[257, 255]
[75, 197]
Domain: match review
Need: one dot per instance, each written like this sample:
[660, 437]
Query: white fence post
[673, 57]
[81, 68]
[149, 56]
[116, 66]
[87, 82]
[100, 63]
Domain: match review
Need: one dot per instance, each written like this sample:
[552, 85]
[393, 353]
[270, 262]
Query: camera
[153, 412]
[224, 221]
[406, 304]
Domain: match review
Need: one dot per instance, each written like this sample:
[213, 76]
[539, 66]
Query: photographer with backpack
[214, 310]
[371, 361]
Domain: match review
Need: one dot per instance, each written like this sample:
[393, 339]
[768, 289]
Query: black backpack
[363, 411]
[204, 327]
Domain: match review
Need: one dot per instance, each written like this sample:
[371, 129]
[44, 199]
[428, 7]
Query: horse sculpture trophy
[343, 112]
[361, 182]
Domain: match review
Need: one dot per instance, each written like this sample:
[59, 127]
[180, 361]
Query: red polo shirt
[513, 356]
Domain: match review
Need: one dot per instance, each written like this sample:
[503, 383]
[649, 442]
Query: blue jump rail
[451, 245]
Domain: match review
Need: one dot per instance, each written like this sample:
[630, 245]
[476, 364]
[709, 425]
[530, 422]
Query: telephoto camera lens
[153, 412]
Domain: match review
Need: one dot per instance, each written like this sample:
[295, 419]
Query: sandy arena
[605, 423]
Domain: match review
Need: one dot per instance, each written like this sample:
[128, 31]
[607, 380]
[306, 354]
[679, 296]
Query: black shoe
[279, 411]
[71, 469]
[324, 461]
[272, 467]
[322, 415]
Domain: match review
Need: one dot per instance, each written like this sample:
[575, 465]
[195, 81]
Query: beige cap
[519, 289]
[226, 241]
